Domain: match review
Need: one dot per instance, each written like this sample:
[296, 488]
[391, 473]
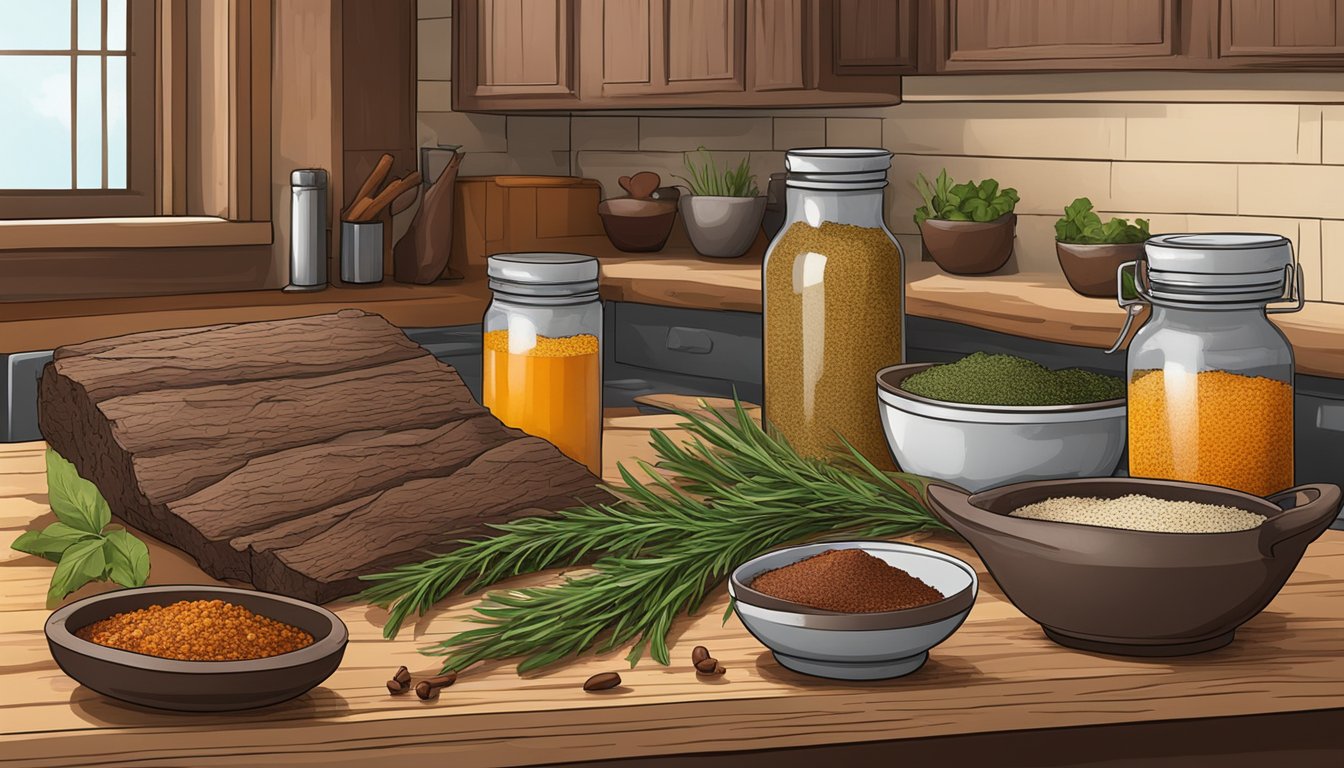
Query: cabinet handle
[1330, 417]
[692, 340]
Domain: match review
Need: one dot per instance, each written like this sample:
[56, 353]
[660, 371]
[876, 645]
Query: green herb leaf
[81, 563]
[967, 201]
[1081, 225]
[75, 501]
[127, 559]
[51, 542]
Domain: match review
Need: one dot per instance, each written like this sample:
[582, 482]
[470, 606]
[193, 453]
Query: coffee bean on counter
[699, 653]
[403, 675]
[602, 681]
[709, 668]
[396, 687]
[429, 688]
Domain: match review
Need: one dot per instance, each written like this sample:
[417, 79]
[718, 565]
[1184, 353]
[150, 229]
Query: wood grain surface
[295, 455]
[997, 676]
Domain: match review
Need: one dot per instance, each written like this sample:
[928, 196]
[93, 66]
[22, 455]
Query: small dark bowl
[1090, 269]
[637, 226]
[196, 686]
[1137, 593]
[970, 247]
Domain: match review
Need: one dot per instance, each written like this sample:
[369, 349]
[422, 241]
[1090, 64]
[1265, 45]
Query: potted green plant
[1090, 251]
[968, 228]
[724, 209]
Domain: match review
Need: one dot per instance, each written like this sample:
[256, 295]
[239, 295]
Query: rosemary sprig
[736, 490]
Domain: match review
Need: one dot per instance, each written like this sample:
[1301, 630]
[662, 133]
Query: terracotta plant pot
[722, 227]
[970, 247]
[1090, 269]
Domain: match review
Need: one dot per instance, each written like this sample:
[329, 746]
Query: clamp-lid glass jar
[1210, 377]
[543, 352]
[834, 303]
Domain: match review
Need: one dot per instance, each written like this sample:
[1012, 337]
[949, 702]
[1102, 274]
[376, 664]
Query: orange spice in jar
[1212, 427]
[542, 360]
[1210, 377]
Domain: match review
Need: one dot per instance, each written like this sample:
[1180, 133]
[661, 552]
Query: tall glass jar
[543, 352]
[1210, 377]
[834, 303]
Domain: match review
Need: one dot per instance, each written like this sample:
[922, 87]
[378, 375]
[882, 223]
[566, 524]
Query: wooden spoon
[642, 185]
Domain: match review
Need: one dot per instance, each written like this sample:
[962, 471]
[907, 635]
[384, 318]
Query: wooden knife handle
[391, 192]
[373, 181]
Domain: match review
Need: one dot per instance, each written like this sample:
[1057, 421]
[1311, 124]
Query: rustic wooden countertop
[987, 694]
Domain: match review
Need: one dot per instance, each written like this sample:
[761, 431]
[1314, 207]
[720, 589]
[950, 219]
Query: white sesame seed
[1136, 512]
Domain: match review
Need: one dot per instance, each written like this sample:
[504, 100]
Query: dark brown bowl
[970, 247]
[638, 226]
[196, 686]
[1137, 593]
[1090, 269]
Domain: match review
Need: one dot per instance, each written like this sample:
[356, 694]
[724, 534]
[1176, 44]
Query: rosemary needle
[732, 491]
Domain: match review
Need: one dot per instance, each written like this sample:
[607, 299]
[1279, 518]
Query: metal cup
[362, 251]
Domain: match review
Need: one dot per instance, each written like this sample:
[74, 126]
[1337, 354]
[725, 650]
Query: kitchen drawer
[704, 343]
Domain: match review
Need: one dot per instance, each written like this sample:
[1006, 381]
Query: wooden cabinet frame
[761, 77]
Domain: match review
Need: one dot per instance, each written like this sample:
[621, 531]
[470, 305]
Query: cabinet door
[872, 37]
[992, 35]
[1285, 29]
[663, 47]
[513, 51]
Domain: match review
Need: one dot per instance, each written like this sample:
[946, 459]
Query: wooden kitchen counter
[996, 693]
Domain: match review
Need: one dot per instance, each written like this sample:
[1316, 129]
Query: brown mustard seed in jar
[197, 630]
[846, 580]
[833, 319]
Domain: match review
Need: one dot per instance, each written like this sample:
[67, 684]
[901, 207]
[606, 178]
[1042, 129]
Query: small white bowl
[977, 447]
[856, 646]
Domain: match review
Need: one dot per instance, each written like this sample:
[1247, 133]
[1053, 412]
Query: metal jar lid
[308, 177]
[837, 168]
[1219, 268]
[555, 275]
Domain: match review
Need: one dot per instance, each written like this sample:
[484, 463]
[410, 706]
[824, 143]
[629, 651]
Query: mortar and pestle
[643, 221]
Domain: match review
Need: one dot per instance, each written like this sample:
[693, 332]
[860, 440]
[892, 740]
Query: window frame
[139, 196]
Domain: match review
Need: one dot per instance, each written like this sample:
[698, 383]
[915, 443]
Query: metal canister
[308, 230]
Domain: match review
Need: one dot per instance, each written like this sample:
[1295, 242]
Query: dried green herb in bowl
[985, 379]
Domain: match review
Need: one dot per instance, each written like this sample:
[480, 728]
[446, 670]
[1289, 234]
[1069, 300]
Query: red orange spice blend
[848, 581]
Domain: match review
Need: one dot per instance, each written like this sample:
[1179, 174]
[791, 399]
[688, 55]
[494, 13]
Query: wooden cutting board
[295, 454]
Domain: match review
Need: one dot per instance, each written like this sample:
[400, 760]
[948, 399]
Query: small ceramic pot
[722, 227]
[1090, 269]
[970, 247]
[636, 226]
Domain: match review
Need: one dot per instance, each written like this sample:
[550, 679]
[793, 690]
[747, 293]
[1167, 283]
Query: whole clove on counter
[428, 689]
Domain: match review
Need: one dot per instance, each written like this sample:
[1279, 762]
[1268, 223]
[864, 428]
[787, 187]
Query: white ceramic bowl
[978, 447]
[856, 646]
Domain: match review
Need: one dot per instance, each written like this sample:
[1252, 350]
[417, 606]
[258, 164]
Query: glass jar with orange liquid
[1210, 377]
[543, 350]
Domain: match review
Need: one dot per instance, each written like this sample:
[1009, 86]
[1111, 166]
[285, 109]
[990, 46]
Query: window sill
[131, 232]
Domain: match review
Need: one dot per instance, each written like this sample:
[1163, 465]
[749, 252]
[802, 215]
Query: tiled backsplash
[1189, 151]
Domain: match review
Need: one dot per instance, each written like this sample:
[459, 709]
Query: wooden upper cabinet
[612, 54]
[996, 35]
[663, 47]
[1285, 31]
[516, 50]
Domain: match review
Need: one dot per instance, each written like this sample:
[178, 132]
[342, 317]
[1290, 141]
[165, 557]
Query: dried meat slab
[296, 455]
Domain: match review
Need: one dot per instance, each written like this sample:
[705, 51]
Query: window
[77, 96]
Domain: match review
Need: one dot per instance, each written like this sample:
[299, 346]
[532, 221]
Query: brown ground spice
[197, 630]
[847, 580]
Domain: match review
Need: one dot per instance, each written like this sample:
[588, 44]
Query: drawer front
[712, 344]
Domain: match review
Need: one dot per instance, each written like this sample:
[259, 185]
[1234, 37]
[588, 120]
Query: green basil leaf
[51, 542]
[75, 501]
[957, 216]
[81, 563]
[989, 189]
[127, 558]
